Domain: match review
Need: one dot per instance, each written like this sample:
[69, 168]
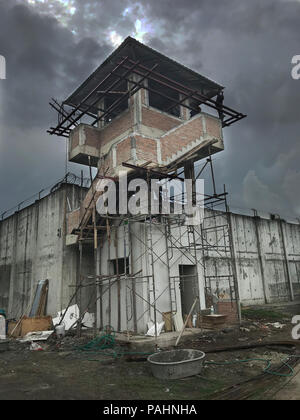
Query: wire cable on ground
[107, 341]
[266, 370]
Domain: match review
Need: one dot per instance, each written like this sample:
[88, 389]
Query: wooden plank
[35, 324]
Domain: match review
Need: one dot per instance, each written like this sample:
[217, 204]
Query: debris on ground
[277, 325]
[152, 331]
[36, 336]
[70, 316]
[234, 356]
[36, 347]
[27, 325]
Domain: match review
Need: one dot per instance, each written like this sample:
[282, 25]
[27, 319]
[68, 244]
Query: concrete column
[185, 113]
[35, 248]
[4, 235]
[261, 258]
[202, 300]
[15, 219]
[286, 261]
[99, 316]
[135, 103]
[234, 263]
[135, 265]
[101, 106]
[64, 294]
[189, 173]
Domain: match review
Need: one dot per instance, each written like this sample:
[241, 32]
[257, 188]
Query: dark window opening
[188, 287]
[118, 266]
[196, 107]
[163, 103]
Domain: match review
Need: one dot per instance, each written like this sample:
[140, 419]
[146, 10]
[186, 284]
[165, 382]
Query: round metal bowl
[176, 364]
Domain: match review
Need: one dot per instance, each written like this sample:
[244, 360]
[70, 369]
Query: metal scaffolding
[100, 99]
[198, 245]
[71, 114]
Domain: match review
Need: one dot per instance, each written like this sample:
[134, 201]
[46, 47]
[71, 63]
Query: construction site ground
[63, 371]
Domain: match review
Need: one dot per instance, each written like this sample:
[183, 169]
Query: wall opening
[117, 266]
[188, 274]
[163, 103]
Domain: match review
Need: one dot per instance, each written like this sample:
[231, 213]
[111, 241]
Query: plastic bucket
[2, 327]
[60, 330]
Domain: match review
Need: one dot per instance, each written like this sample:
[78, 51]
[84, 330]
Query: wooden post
[186, 321]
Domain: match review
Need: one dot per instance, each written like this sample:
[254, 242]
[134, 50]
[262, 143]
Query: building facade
[144, 115]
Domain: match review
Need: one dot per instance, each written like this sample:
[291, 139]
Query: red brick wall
[123, 151]
[92, 136]
[116, 127]
[213, 127]
[229, 309]
[156, 119]
[182, 136]
[146, 149]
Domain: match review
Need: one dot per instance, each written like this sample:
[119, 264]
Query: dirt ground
[61, 371]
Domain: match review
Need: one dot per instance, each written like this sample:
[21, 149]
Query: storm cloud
[52, 46]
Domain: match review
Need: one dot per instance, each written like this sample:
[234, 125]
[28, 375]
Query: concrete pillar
[101, 106]
[185, 113]
[15, 220]
[285, 255]
[135, 103]
[189, 173]
[234, 263]
[261, 258]
[35, 247]
[135, 264]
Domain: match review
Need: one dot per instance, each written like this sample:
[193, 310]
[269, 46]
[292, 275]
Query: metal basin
[176, 364]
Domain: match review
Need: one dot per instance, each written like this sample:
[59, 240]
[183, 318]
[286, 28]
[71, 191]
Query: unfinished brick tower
[145, 114]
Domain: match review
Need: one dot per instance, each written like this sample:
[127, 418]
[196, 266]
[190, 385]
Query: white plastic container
[60, 331]
[2, 328]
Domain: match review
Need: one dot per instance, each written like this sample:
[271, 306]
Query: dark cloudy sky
[52, 45]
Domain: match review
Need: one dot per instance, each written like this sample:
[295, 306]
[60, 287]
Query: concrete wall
[268, 259]
[137, 295]
[267, 262]
[32, 248]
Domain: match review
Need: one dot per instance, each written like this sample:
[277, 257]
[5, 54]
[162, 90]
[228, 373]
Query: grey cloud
[245, 45]
[44, 59]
